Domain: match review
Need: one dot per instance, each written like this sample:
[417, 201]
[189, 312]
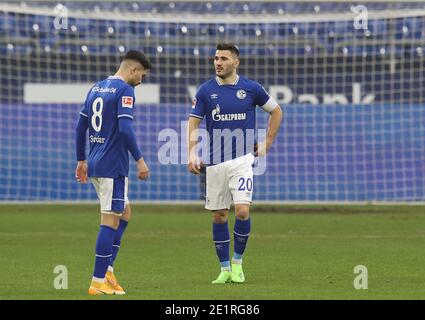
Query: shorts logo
[241, 94]
[127, 102]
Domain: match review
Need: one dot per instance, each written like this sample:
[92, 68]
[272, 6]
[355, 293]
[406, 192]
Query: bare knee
[220, 216]
[110, 220]
[242, 211]
[127, 213]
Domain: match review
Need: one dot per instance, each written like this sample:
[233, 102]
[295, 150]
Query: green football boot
[237, 273]
[224, 277]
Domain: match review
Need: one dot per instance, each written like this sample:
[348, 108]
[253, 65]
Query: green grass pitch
[294, 252]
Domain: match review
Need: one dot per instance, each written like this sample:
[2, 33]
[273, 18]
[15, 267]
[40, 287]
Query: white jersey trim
[125, 115]
[116, 77]
[195, 116]
[217, 79]
[83, 114]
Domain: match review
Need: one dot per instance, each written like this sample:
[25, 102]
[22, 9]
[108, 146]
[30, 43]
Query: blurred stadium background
[352, 91]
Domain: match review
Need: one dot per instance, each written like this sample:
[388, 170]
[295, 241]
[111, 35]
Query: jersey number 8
[97, 108]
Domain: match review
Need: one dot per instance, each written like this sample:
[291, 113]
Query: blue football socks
[241, 235]
[104, 242]
[221, 239]
[117, 240]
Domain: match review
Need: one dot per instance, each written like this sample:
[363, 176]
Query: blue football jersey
[229, 111]
[106, 102]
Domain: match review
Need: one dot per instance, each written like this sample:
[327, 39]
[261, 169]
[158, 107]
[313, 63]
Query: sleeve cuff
[126, 116]
[195, 116]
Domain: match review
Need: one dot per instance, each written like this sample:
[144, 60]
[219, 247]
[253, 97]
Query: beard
[223, 75]
[135, 83]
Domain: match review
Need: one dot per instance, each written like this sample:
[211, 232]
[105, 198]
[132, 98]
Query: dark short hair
[228, 46]
[137, 56]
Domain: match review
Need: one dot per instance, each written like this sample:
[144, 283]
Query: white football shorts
[229, 181]
[112, 193]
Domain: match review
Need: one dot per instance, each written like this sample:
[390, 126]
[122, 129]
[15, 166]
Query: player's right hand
[142, 169]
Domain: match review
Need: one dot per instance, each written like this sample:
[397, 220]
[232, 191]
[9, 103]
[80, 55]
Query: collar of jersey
[116, 77]
[217, 79]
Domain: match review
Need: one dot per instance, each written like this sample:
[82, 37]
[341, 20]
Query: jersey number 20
[97, 108]
[245, 184]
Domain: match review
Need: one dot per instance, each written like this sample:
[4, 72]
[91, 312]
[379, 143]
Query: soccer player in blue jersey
[108, 114]
[228, 103]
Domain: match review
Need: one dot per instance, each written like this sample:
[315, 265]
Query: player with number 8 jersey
[108, 115]
[107, 102]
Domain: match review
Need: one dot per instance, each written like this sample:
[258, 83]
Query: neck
[230, 79]
[122, 75]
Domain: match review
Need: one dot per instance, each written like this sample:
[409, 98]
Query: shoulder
[255, 87]
[206, 85]
[249, 83]
[97, 85]
[124, 88]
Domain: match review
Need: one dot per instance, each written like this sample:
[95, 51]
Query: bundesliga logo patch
[127, 102]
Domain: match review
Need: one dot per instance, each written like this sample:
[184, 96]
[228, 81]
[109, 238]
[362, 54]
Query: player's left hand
[194, 165]
[142, 169]
[81, 172]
